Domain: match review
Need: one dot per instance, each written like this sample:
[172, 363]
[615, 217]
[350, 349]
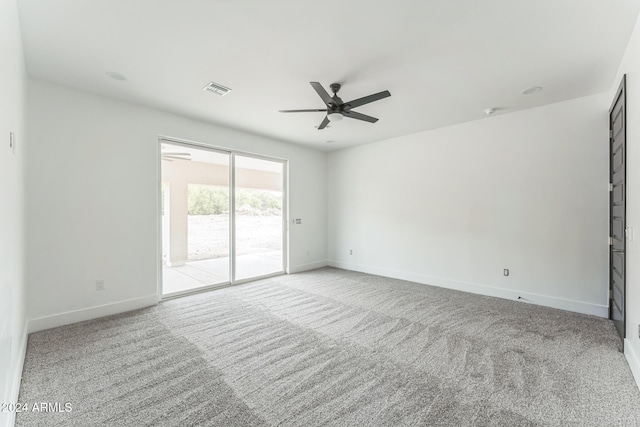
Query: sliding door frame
[232, 214]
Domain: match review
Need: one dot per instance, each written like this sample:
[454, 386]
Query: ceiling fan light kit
[337, 109]
[334, 117]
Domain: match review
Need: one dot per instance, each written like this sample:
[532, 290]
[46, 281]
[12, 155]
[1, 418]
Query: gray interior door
[617, 208]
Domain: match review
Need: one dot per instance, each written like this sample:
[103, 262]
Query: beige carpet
[332, 347]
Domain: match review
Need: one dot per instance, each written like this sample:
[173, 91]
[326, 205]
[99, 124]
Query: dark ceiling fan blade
[173, 153]
[322, 92]
[358, 116]
[367, 99]
[303, 111]
[165, 157]
[324, 123]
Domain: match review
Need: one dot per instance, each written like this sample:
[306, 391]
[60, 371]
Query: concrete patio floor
[196, 274]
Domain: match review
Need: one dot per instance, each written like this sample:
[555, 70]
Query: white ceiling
[444, 61]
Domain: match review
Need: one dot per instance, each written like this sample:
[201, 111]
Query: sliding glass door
[258, 216]
[195, 217]
[222, 217]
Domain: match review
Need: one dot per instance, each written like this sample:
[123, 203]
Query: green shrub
[207, 200]
[210, 200]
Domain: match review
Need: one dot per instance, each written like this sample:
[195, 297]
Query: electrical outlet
[638, 331]
[12, 142]
[100, 285]
[506, 272]
[350, 251]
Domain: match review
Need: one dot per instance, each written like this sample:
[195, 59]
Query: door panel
[617, 209]
[195, 218]
[258, 217]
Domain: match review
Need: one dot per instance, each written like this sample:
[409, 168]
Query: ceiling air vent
[217, 89]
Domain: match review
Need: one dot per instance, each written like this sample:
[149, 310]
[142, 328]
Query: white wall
[12, 264]
[631, 67]
[454, 206]
[92, 200]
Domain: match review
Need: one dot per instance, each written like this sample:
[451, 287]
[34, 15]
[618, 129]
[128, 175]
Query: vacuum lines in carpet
[333, 348]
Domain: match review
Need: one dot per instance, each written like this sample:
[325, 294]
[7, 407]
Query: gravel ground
[209, 235]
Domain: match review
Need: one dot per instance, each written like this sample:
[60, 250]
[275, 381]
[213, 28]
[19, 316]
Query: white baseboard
[478, 288]
[69, 317]
[14, 389]
[633, 360]
[307, 267]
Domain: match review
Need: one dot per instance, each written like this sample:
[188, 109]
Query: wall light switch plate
[629, 233]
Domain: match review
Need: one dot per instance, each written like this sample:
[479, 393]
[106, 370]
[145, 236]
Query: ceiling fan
[169, 156]
[337, 109]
